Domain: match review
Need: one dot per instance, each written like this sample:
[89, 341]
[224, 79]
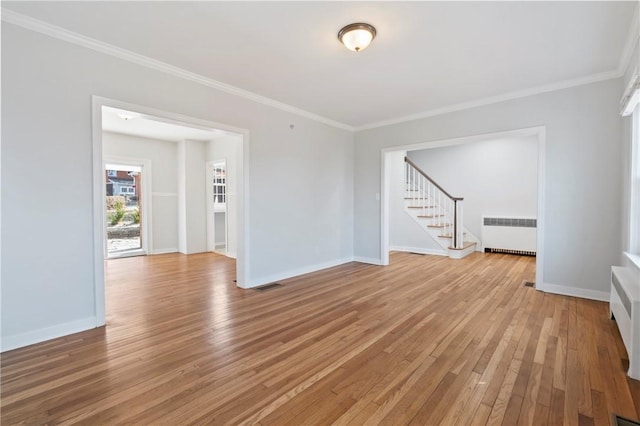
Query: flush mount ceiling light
[357, 36]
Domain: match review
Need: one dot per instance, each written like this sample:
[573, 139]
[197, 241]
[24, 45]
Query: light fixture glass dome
[357, 36]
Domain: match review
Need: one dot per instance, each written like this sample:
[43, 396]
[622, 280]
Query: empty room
[314, 213]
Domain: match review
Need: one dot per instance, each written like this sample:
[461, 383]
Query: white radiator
[509, 234]
[625, 308]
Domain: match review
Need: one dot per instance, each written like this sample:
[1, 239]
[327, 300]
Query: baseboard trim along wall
[36, 336]
[369, 260]
[419, 250]
[296, 272]
[165, 250]
[602, 296]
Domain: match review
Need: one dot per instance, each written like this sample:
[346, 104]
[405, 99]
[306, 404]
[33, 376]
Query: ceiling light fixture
[357, 36]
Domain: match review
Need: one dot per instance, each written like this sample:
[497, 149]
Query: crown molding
[496, 99]
[60, 33]
[127, 55]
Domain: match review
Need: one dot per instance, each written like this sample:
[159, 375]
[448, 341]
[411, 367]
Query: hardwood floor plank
[425, 340]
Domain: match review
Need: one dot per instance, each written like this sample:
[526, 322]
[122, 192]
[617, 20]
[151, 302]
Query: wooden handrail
[451, 197]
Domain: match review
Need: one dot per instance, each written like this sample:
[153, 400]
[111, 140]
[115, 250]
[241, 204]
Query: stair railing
[435, 203]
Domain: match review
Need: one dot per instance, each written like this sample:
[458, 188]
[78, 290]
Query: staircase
[437, 212]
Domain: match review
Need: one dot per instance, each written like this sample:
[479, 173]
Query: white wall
[164, 182]
[495, 177]
[228, 148]
[582, 177]
[47, 84]
[404, 233]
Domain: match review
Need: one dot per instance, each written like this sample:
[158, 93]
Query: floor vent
[621, 421]
[269, 286]
[529, 284]
[507, 251]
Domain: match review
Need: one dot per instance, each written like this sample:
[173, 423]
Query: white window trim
[634, 195]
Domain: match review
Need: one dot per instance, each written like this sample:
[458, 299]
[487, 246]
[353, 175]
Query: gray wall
[301, 180]
[582, 178]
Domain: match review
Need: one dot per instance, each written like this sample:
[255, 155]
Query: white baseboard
[164, 251]
[15, 341]
[257, 282]
[584, 293]
[369, 260]
[419, 250]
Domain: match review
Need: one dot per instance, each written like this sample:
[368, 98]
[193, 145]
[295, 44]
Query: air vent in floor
[529, 284]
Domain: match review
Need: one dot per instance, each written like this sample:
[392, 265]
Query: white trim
[369, 260]
[60, 33]
[564, 290]
[384, 207]
[145, 199]
[242, 262]
[540, 220]
[515, 133]
[47, 333]
[419, 250]
[164, 194]
[539, 131]
[99, 213]
[631, 95]
[633, 258]
[165, 251]
[297, 272]
[608, 75]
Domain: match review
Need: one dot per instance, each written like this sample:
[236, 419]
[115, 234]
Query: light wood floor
[427, 340]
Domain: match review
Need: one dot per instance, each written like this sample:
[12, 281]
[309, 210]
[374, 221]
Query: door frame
[211, 226]
[539, 132]
[146, 188]
[242, 232]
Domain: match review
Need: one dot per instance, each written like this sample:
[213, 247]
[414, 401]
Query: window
[219, 184]
[629, 105]
[112, 173]
[634, 225]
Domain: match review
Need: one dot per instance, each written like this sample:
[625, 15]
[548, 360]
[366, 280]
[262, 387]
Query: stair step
[439, 225]
[431, 216]
[465, 245]
[416, 198]
[449, 235]
[420, 207]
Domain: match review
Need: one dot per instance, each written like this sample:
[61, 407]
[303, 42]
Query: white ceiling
[426, 56]
[151, 127]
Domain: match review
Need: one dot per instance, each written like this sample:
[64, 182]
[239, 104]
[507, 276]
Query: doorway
[124, 233]
[388, 157]
[184, 194]
[217, 212]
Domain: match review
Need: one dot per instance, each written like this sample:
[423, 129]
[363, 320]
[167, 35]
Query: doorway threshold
[126, 253]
